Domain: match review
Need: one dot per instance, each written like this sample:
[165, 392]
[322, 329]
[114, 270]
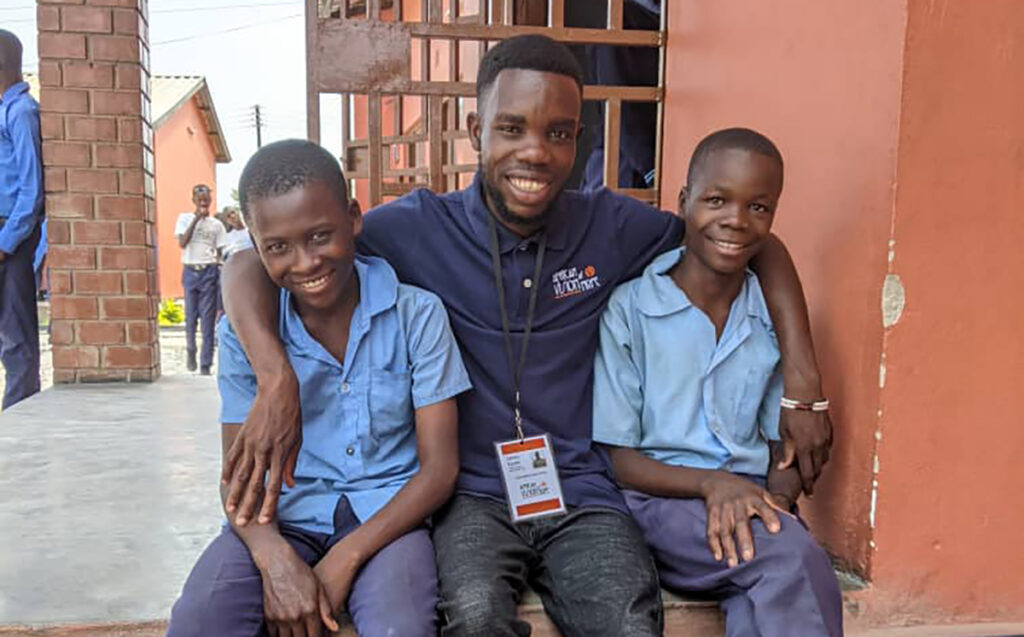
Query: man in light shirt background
[200, 236]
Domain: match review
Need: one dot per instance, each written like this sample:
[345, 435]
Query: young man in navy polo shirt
[589, 565]
[378, 371]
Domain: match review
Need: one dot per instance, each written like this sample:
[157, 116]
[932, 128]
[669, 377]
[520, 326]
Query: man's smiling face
[526, 134]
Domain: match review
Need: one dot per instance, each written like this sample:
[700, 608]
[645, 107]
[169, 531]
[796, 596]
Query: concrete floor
[108, 493]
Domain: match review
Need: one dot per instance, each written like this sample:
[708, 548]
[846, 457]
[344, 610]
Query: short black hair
[281, 167]
[731, 138]
[10, 50]
[530, 52]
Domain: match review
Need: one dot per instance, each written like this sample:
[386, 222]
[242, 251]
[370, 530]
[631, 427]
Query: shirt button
[350, 451]
[345, 388]
[527, 283]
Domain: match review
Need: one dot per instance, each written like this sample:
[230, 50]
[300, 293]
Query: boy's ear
[684, 194]
[357, 216]
[473, 126]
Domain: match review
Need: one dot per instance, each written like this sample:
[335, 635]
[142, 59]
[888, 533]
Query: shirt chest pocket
[390, 403]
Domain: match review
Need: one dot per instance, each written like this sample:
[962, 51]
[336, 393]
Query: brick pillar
[98, 159]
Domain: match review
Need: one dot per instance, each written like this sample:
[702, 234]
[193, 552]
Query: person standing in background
[200, 237]
[21, 209]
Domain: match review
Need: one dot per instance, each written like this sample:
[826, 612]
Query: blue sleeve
[618, 390]
[643, 232]
[768, 412]
[23, 127]
[437, 370]
[235, 379]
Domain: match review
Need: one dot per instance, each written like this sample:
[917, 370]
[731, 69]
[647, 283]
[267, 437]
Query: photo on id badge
[530, 477]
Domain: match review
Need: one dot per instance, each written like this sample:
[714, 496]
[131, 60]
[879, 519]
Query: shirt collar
[378, 292]
[658, 294]
[476, 209]
[13, 91]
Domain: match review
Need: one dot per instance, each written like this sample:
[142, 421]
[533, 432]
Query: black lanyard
[516, 368]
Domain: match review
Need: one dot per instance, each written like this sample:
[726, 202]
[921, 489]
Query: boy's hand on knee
[295, 603]
[336, 572]
[731, 501]
[269, 441]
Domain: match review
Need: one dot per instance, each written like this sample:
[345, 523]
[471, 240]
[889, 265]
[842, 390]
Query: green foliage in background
[171, 313]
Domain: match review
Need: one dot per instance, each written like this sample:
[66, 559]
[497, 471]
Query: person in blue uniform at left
[21, 210]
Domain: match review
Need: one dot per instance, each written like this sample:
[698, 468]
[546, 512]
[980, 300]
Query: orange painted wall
[903, 134]
[823, 81]
[950, 505]
[184, 157]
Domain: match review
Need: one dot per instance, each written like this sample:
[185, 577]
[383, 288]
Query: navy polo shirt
[595, 241]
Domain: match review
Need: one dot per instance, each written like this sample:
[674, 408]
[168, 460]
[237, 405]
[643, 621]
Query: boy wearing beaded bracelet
[687, 394]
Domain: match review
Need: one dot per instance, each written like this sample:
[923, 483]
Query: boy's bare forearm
[636, 471]
[785, 299]
[252, 303]
[262, 540]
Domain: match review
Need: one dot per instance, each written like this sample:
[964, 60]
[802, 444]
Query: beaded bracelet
[817, 405]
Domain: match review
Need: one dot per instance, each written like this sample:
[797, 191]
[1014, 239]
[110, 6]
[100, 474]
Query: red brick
[64, 2]
[118, 207]
[123, 258]
[51, 125]
[88, 75]
[93, 232]
[93, 282]
[141, 333]
[57, 153]
[128, 76]
[59, 100]
[92, 180]
[132, 182]
[71, 357]
[101, 333]
[61, 46]
[92, 129]
[49, 73]
[129, 129]
[102, 376]
[126, 21]
[71, 257]
[47, 19]
[113, 3]
[60, 280]
[58, 232]
[136, 283]
[114, 48]
[64, 376]
[116, 102]
[129, 357]
[54, 180]
[135, 233]
[118, 155]
[62, 332]
[68, 205]
[73, 307]
[86, 19]
[126, 308]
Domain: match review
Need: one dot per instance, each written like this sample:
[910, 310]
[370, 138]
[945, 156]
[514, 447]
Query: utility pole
[259, 126]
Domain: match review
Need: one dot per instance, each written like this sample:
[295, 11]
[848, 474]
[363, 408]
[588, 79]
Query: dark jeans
[19, 322]
[202, 289]
[591, 569]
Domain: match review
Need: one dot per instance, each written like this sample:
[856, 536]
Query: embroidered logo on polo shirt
[574, 281]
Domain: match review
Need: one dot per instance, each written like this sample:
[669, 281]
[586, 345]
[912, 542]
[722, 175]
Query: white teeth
[728, 245]
[527, 185]
[315, 282]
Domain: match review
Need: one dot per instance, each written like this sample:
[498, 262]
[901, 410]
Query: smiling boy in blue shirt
[378, 371]
[687, 393]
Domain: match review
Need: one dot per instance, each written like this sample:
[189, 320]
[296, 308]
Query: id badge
[530, 478]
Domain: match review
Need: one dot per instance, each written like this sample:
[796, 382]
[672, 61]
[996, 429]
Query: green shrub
[171, 313]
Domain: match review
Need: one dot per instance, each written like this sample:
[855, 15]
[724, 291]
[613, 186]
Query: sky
[251, 52]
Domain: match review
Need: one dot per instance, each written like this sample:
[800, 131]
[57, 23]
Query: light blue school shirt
[664, 386]
[358, 424]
